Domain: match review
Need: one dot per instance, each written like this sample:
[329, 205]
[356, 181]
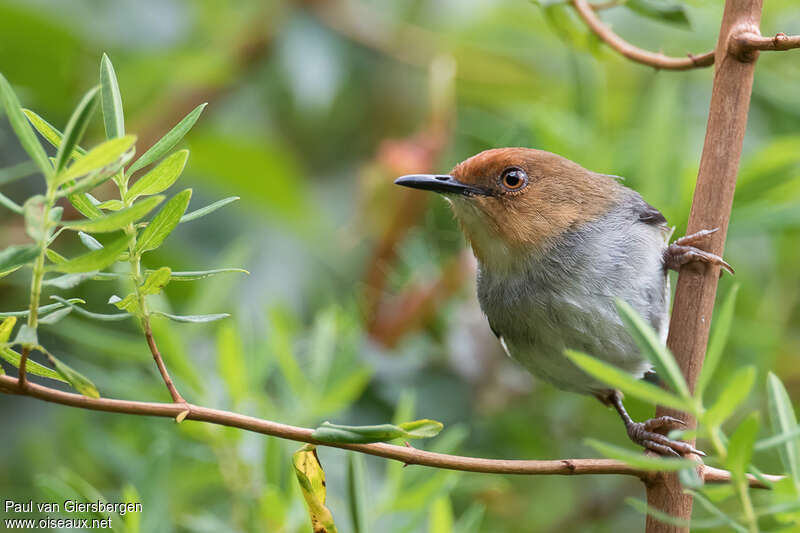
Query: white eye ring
[513, 179]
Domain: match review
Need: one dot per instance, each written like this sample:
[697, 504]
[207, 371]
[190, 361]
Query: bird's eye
[513, 179]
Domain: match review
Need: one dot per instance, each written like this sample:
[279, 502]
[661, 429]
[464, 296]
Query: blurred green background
[360, 304]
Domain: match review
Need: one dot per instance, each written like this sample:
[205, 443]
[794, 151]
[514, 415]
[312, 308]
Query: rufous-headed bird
[556, 246]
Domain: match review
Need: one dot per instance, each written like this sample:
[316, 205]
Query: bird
[557, 245]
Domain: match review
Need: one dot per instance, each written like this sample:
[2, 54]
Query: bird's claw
[684, 251]
[644, 434]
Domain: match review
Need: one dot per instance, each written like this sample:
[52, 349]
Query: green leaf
[730, 398]
[662, 11]
[207, 210]
[417, 429]
[14, 257]
[160, 178]
[108, 155]
[89, 241]
[639, 459]
[111, 205]
[130, 303]
[68, 281]
[55, 316]
[54, 256]
[42, 308]
[96, 316]
[195, 319]
[667, 518]
[653, 349]
[76, 127]
[716, 511]
[50, 133]
[113, 118]
[16, 172]
[84, 205]
[165, 144]
[10, 204]
[23, 129]
[164, 222]
[440, 519]
[311, 479]
[96, 260]
[116, 220]
[777, 440]
[6, 327]
[740, 446]
[625, 382]
[719, 337]
[27, 336]
[357, 492]
[78, 381]
[783, 420]
[31, 366]
[33, 211]
[156, 281]
[202, 274]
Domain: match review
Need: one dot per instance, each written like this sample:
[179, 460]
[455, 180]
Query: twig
[745, 44]
[23, 363]
[413, 456]
[151, 342]
[634, 53]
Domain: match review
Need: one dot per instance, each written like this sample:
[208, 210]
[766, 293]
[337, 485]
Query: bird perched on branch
[556, 246]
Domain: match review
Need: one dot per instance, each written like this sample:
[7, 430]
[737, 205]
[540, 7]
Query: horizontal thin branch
[634, 53]
[745, 44]
[407, 455]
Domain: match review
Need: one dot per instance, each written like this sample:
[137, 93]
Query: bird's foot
[646, 434]
[683, 251]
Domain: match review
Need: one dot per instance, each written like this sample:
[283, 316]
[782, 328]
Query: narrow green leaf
[106, 155]
[440, 516]
[165, 144]
[730, 398]
[783, 420]
[161, 177]
[16, 172]
[653, 349]
[230, 362]
[196, 319]
[42, 308]
[23, 129]
[357, 492]
[50, 133]
[719, 337]
[89, 241]
[68, 281]
[117, 220]
[78, 381]
[740, 446]
[716, 511]
[113, 118]
[417, 429]
[76, 127]
[96, 316]
[54, 256]
[92, 181]
[164, 222]
[638, 459]
[55, 316]
[6, 327]
[625, 382]
[111, 205]
[82, 203]
[202, 274]
[311, 479]
[96, 260]
[31, 366]
[10, 204]
[207, 210]
[14, 257]
[156, 281]
[662, 11]
[777, 440]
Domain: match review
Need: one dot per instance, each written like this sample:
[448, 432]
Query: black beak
[439, 183]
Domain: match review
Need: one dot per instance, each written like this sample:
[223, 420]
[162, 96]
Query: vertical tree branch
[711, 208]
[162, 368]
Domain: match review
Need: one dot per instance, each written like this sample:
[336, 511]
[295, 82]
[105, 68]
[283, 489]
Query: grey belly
[567, 300]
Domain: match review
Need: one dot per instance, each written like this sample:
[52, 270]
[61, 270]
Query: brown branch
[151, 343]
[746, 44]
[23, 363]
[404, 454]
[634, 53]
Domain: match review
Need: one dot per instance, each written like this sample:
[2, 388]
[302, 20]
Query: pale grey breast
[566, 299]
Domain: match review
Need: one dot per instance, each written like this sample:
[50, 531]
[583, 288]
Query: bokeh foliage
[315, 107]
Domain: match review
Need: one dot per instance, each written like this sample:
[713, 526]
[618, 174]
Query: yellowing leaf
[311, 478]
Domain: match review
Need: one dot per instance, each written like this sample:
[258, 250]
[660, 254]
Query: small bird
[556, 246]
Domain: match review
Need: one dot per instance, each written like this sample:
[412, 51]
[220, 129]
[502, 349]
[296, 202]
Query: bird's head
[514, 202]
